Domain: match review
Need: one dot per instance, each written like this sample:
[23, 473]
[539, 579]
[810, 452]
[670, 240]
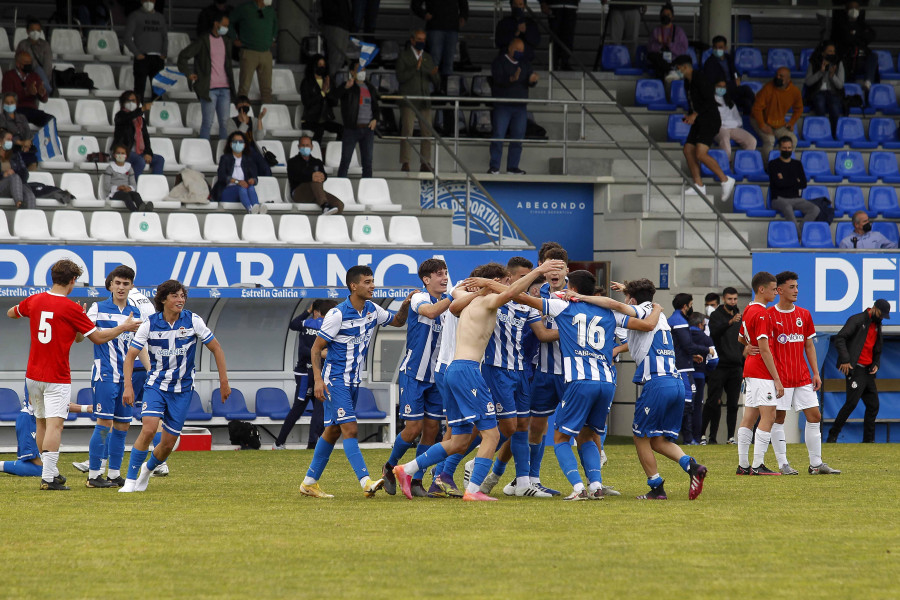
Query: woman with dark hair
[823, 87]
[243, 122]
[237, 176]
[14, 174]
[317, 99]
[131, 132]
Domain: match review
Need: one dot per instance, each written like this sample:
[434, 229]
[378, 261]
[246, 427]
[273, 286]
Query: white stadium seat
[406, 231]
[342, 188]
[177, 43]
[375, 194]
[31, 224]
[195, 118]
[69, 225]
[278, 121]
[78, 149]
[269, 193]
[332, 229]
[47, 179]
[333, 160]
[295, 229]
[126, 77]
[258, 229]
[4, 228]
[183, 227]
[197, 154]
[91, 115]
[145, 227]
[59, 108]
[166, 117]
[164, 147]
[70, 92]
[5, 50]
[220, 228]
[106, 226]
[368, 229]
[155, 189]
[66, 43]
[305, 207]
[104, 81]
[284, 86]
[104, 44]
[20, 34]
[81, 186]
[276, 148]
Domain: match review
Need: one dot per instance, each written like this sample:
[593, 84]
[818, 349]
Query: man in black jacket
[858, 345]
[512, 76]
[724, 329]
[518, 25]
[359, 112]
[443, 20]
[787, 179]
[306, 176]
[562, 16]
[719, 66]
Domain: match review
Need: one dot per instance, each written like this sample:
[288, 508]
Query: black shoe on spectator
[515, 172]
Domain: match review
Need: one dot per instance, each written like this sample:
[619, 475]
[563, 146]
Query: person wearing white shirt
[732, 129]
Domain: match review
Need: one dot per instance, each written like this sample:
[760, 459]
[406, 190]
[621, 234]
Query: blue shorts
[469, 402]
[171, 407]
[506, 384]
[547, 390]
[442, 389]
[26, 430]
[108, 402]
[659, 409]
[138, 379]
[340, 403]
[687, 377]
[419, 399]
[584, 403]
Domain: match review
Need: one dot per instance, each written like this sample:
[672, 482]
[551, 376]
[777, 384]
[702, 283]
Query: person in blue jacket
[702, 368]
[237, 176]
[685, 351]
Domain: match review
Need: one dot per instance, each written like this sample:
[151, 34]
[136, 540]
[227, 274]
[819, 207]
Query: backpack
[244, 434]
[826, 209]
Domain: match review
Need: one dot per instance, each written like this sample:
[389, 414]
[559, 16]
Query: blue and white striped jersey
[142, 302]
[586, 338]
[653, 351]
[447, 345]
[109, 358]
[348, 333]
[423, 336]
[172, 349]
[550, 356]
[504, 348]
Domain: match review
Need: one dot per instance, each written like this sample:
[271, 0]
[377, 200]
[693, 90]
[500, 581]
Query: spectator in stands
[562, 16]
[131, 131]
[123, 182]
[15, 122]
[359, 112]
[623, 23]
[667, 42]
[852, 37]
[824, 84]
[207, 15]
[28, 87]
[243, 122]
[719, 66]
[732, 128]
[862, 237]
[443, 20]
[704, 366]
[786, 180]
[518, 25]
[237, 177]
[365, 18]
[307, 324]
[39, 49]
[418, 76]
[317, 100]
[512, 76]
[337, 21]
[90, 12]
[211, 74]
[724, 329]
[306, 176]
[14, 174]
[858, 346]
[255, 25]
[770, 109]
[703, 117]
[147, 36]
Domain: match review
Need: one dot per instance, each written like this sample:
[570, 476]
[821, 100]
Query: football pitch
[232, 525]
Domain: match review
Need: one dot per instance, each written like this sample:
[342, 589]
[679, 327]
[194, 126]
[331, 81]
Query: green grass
[232, 525]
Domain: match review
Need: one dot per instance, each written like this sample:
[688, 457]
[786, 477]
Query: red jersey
[792, 328]
[54, 320]
[756, 325]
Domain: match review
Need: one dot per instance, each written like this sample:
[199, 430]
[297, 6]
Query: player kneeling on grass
[171, 337]
[28, 455]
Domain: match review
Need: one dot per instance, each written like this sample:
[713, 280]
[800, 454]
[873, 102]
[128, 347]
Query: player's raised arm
[463, 299]
[542, 333]
[216, 348]
[522, 285]
[648, 323]
[400, 317]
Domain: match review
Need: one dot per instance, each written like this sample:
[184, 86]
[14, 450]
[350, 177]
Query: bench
[887, 422]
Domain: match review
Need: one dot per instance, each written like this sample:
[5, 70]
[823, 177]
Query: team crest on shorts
[769, 396]
[407, 409]
[490, 407]
[99, 407]
[143, 407]
[341, 412]
[499, 407]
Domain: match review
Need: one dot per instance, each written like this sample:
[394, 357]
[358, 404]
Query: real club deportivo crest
[490, 407]
[341, 412]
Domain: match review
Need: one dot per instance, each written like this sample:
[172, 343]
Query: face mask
[149, 6]
[223, 30]
[688, 311]
[721, 91]
[779, 82]
[321, 71]
[7, 145]
[679, 74]
[517, 56]
[244, 109]
[867, 227]
[419, 46]
[130, 106]
[853, 13]
[665, 20]
[28, 68]
[237, 146]
[34, 35]
[10, 108]
[120, 158]
[786, 154]
[360, 76]
[710, 310]
[305, 152]
[719, 52]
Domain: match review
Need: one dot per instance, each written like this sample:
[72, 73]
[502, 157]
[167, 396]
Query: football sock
[113, 474]
[760, 446]
[134, 465]
[153, 462]
[438, 469]
[655, 481]
[49, 471]
[400, 448]
[320, 458]
[116, 446]
[595, 485]
[521, 454]
[453, 460]
[97, 448]
[22, 468]
[479, 472]
[420, 450]
[685, 462]
[590, 460]
[567, 462]
[351, 449]
[537, 457]
[744, 438]
[157, 438]
[779, 443]
[813, 435]
[500, 467]
[432, 456]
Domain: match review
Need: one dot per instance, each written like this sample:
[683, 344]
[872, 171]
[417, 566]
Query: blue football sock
[432, 456]
[137, 459]
[480, 470]
[603, 438]
[590, 460]
[320, 458]
[685, 462]
[655, 482]
[567, 462]
[96, 447]
[537, 457]
[400, 448]
[499, 467]
[521, 454]
[453, 460]
[351, 449]
[438, 468]
[420, 450]
[153, 462]
[22, 468]
[116, 446]
[157, 438]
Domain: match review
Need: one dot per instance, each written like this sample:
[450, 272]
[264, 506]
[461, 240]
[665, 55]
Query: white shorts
[49, 399]
[798, 398]
[759, 392]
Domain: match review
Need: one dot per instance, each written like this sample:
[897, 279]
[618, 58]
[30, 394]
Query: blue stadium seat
[804, 59]
[774, 154]
[854, 89]
[883, 99]
[817, 130]
[749, 60]
[753, 85]
[888, 230]
[9, 405]
[749, 199]
[677, 130]
[272, 403]
[195, 410]
[883, 165]
[783, 234]
[616, 58]
[850, 165]
[850, 130]
[816, 191]
[847, 200]
[652, 94]
[721, 158]
[744, 31]
[882, 201]
[706, 54]
[366, 407]
[640, 58]
[816, 234]
[843, 229]
[782, 57]
[886, 68]
[693, 54]
[235, 408]
[481, 86]
[677, 94]
[884, 131]
[748, 165]
[85, 396]
[817, 168]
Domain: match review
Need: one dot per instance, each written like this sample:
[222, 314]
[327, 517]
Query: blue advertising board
[836, 285]
[234, 272]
